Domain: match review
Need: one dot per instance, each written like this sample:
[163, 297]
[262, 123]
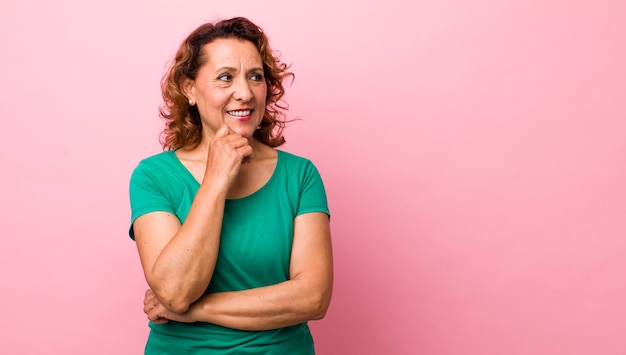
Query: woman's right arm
[178, 260]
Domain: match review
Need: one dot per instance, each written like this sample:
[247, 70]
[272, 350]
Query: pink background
[474, 154]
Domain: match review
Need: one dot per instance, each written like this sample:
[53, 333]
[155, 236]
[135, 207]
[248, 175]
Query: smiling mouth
[240, 113]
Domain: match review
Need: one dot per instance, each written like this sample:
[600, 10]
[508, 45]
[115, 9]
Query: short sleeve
[312, 192]
[146, 195]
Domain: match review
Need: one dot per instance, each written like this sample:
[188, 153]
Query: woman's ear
[189, 91]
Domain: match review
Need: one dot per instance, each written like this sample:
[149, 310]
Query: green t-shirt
[255, 248]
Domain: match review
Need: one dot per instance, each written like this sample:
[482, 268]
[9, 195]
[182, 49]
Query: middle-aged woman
[233, 235]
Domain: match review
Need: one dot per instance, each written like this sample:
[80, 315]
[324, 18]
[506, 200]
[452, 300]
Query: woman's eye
[256, 77]
[224, 77]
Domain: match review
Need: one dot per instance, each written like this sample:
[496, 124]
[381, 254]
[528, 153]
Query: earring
[191, 102]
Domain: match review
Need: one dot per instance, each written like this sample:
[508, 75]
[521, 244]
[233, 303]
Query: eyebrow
[235, 69]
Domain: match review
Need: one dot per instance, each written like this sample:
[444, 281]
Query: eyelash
[225, 77]
[228, 77]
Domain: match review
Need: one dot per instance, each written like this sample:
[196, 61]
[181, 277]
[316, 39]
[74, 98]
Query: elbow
[177, 306]
[319, 306]
[172, 300]
[319, 315]
[175, 296]
[320, 311]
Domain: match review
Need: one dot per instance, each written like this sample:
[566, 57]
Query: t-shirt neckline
[190, 176]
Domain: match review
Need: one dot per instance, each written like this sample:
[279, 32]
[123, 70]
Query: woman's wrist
[213, 188]
[199, 311]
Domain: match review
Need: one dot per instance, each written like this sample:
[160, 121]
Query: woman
[233, 235]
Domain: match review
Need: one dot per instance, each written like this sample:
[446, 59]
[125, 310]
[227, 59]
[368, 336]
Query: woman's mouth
[241, 115]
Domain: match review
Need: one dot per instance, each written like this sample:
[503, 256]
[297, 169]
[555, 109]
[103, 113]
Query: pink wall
[474, 153]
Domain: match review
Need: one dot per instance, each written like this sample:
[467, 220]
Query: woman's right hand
[227, 151]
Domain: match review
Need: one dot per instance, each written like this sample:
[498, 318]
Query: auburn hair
[183, 127]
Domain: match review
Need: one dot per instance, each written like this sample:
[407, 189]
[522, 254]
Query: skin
[178, 260]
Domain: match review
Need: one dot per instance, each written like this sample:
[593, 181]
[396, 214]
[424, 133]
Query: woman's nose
[243, 91]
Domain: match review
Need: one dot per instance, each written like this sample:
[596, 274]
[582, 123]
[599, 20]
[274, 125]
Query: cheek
[261, 94]
[214, 98]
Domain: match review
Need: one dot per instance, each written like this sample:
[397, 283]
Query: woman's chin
[244, 131]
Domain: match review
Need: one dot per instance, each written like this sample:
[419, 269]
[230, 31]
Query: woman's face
[230, 87]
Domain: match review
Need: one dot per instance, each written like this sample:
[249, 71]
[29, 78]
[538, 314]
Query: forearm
[305, 296]
[183, 269]
[281, 305]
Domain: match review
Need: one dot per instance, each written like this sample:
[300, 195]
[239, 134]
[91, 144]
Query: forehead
[231, 52]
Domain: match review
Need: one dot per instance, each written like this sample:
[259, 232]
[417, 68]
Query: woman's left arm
[305, 296]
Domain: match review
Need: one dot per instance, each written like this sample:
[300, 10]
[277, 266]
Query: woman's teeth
[240, 113]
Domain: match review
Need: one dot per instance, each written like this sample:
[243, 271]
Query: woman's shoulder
[296, 163]
[292, 158]
[156, 164]
[159, 158]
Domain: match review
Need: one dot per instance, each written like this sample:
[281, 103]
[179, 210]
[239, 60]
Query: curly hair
[183, 127]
